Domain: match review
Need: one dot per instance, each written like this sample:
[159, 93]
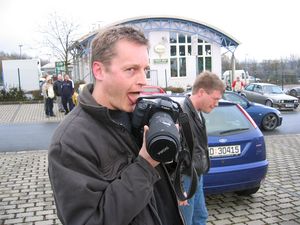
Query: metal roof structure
[174, 24]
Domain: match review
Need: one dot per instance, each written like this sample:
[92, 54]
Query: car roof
[265, 84]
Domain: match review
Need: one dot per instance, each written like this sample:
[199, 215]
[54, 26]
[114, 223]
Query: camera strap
[185, 161]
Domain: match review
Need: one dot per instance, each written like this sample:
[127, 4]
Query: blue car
[237, 150]
[267, 118]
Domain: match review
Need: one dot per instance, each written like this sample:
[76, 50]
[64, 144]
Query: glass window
[200, 40]
[181, 38]
[182, 65]
[182, 50]
[200, 65]
[173, 50]
[225, 120]
[189, 39]
[208, 63]
[200, 50]
[173, 62]
[148, 76]
[250, 87]
[189, 50]
[207, 50]
[173, 37]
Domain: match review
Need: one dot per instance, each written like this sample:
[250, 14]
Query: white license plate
[289, 105]
[222, 151]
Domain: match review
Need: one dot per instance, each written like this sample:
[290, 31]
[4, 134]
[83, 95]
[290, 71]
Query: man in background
[57, 86]
[206, 92]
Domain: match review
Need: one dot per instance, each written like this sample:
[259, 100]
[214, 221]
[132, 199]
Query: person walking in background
[98, 172]
[238, 85]
[67, 92]
[49, 95]
[206, 92]
[57, 86]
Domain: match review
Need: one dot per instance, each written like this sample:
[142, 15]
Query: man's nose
[142, 78]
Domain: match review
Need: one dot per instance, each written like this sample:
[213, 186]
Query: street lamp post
[20, 46]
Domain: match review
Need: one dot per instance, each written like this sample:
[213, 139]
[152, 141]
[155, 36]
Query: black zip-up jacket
[200, 155]
[57, 87]
[97, 176]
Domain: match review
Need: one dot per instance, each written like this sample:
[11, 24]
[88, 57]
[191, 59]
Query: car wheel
[269, 122]
[248, 192]
[293, 93]
[269, 103]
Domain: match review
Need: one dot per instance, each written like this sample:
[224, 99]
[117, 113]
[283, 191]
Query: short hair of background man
[209, 82]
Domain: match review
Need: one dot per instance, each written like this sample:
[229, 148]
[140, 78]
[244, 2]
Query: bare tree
[59, 35]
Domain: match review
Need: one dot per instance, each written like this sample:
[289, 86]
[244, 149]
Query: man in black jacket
[97, 171]
[206, 93]
[67, 91]
[57, 87]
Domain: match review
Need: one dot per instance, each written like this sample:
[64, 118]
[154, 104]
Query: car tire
[269, 103]
[269, 122]
[248, 192]
[293, 93]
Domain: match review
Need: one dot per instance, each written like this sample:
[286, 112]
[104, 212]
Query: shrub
[13, 94]
[174, 89]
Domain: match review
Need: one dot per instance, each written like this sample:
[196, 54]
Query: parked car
[270, 95]
[152, 90]
[237, 150]
[293, 91]
[267, 118]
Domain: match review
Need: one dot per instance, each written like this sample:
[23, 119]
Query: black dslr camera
[160, 113]
[164, 142]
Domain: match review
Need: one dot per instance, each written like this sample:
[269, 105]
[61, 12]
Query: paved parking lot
[26, 196]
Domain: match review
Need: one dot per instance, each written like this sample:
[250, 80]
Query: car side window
[235, 98]
[249, 87]
[258, 88]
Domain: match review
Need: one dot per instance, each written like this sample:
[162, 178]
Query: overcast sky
[266, 29]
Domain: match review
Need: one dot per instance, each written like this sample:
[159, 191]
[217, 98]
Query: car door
[258, 95]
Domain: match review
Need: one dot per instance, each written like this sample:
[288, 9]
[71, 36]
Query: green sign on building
[59, 67]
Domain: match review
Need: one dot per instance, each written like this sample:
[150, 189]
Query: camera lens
[162, 140]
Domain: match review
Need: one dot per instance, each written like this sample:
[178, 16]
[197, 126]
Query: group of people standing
[62, 90]
[98, 172]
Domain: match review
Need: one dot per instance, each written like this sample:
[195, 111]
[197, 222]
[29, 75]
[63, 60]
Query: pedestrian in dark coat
[57, 87]
[67, 92]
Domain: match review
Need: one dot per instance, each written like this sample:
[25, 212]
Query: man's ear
[200, 92]
[98, 70]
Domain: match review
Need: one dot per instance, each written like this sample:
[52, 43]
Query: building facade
[179, 50]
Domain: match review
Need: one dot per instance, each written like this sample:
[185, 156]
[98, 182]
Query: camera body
[160, 113]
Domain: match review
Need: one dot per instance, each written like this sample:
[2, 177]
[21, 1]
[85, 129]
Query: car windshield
[224, 120]
[272, 89]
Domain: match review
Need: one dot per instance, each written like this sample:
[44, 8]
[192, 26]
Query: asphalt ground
[26, 196]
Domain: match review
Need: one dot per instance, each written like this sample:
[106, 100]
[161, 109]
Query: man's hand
[144, 153]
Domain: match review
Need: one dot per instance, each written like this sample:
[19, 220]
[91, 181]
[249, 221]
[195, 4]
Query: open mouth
[133, 96]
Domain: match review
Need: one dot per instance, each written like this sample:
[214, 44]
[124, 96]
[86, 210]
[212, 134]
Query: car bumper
[235, 178]
[279, 121]
[286, 106]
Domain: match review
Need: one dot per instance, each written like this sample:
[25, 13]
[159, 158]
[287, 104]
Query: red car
[152, 90]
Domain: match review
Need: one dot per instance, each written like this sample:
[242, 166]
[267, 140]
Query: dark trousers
[67, 103]
[49, 107]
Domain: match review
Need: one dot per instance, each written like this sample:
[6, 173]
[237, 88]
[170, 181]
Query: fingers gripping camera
[160, 113]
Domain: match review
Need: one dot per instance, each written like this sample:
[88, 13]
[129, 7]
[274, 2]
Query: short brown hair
[103, 45]
[209, 82]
